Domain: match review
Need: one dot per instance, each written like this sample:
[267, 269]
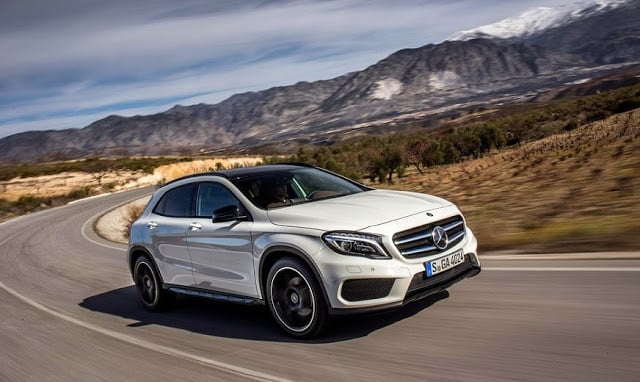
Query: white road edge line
[222, 366]
[562, 269]
[573, 256]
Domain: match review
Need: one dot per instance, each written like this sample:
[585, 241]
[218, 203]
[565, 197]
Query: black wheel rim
[292, 299]
[146, 283]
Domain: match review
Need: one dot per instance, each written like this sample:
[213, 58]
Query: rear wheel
[152, 296]
[295, 299]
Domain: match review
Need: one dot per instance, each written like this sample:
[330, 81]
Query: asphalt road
[68, 312]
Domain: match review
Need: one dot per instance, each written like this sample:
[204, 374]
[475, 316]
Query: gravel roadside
[112, 226]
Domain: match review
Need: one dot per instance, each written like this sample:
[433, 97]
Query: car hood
[356, 212]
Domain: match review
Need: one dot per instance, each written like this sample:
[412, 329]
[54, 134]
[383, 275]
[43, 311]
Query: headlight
[356, 244]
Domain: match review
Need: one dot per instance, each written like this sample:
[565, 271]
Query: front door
[221, 252]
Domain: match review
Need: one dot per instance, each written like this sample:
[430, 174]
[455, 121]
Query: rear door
[168, 224]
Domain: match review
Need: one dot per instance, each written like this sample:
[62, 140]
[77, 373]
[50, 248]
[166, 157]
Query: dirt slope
[575, 191]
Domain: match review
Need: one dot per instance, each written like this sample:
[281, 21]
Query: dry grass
[131, 213]
[177, 170]
[65, 183]
[575, 191]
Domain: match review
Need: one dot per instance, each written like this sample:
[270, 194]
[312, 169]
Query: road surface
[69, 313]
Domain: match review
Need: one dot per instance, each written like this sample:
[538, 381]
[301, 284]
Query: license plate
[444, 263]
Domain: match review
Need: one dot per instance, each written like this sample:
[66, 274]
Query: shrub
[79, 193]
[132, 213]
[30, 203]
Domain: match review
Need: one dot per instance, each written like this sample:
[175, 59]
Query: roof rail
[212, 173]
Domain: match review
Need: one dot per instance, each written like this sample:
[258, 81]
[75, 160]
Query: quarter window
[177, 202]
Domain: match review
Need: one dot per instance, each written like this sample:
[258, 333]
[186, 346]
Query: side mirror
[227, 213]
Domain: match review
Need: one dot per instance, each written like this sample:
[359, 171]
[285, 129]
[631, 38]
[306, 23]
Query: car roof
[248, 172]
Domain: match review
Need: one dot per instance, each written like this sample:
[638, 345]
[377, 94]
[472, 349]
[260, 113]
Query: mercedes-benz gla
[303, 241]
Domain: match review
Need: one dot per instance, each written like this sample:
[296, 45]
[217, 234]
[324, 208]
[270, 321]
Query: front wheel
[295, 299]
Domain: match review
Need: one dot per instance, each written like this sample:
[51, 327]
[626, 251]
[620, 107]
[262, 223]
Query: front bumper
[355, 285]
[420, 287]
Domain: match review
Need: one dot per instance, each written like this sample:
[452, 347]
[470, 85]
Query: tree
[432, 154]
[414, 153]
[491, 137]
[393, 158]
[450, 153]
[467, 142]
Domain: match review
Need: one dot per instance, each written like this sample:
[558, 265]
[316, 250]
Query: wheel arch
[273, 254]
[135, 253]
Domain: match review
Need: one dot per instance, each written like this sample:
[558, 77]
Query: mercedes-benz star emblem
[440, 238]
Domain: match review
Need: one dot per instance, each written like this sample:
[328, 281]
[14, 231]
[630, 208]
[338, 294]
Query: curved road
[69, 313]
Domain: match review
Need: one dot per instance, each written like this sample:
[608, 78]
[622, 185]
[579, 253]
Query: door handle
[195, 226]
[152, 225]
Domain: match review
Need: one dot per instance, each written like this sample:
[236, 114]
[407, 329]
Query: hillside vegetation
[572, 191]
[91, 165]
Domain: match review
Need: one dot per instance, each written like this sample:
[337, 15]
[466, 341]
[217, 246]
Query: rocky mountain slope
[428, 79]
[602, 38]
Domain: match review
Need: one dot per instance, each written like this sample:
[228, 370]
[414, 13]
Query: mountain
[607, 37]
[411, 83]
[539, 20]
[601, 32]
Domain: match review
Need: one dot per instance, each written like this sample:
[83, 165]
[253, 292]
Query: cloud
[73, 61]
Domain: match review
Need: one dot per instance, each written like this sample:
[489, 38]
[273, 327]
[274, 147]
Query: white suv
[303, 241]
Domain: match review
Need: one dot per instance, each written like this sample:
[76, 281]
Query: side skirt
[218, 296]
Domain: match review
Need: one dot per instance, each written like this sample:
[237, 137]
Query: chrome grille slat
[456, 236]
[413, 238]
[417, 242]
[418, 250]
[453, 225]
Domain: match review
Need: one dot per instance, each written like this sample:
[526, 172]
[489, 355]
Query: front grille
[366, 289]
[418, 242]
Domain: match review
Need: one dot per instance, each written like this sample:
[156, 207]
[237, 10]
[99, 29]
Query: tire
[295, 299]
[149, 286]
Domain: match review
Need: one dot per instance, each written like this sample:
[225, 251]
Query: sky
[67, 63]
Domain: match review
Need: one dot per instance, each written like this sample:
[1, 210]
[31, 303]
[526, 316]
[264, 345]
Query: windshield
[287, 187]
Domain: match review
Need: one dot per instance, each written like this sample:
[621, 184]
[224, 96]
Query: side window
[177, 202]
[213, 196]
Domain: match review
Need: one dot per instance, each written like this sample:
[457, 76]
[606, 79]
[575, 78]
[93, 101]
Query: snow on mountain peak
[537, 19]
